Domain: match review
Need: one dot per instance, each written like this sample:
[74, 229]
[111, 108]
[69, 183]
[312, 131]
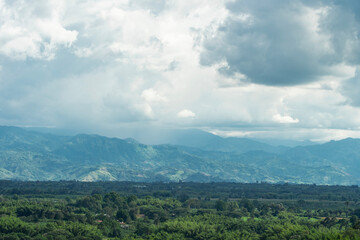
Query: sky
[245, 68]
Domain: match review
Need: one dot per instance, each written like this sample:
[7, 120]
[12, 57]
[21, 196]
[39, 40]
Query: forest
[183, 210]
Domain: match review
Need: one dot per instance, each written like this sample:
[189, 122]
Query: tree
[220, 205]
[123, 215]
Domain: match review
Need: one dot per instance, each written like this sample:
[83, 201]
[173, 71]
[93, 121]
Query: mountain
[30, 155]
[210, 142]
[284, 142]
[343, 154]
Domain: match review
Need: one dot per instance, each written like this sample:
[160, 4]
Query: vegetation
[126, 210]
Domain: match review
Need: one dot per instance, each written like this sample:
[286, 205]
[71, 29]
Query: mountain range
[191, 155]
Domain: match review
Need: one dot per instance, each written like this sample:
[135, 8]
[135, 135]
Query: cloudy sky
[277, 68]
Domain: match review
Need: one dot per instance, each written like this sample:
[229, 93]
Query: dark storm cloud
[342, 23]
[285, 42]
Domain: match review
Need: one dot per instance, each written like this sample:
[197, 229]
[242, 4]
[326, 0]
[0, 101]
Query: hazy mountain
[207, 141]
[29, 155]
[285, 142]
[194, 138]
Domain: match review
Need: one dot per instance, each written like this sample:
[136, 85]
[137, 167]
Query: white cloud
[150, 95]
[83, 52]
[313, 134]
[186, 114]
[33, 30]
[284, 119]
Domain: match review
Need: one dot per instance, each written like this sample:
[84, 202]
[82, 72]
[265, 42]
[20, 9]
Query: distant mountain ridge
[30, 155]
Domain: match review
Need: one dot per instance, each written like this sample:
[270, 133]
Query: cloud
[33, 30]
[283, 43]
[112, 67]
[316, 135]
[186, 114]
[155, 7]
[150, 95]
[350, 88]
[109, 63]
[284, 119]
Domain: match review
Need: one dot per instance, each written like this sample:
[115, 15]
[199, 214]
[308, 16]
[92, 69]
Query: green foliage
[220, 205]
[124, 215]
